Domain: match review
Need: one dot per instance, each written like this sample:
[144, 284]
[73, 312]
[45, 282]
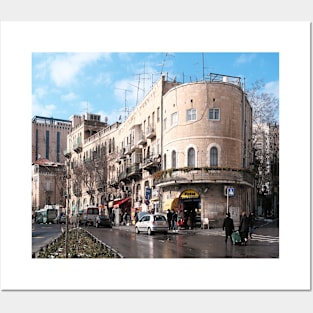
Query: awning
[171, 204]
[121, 201]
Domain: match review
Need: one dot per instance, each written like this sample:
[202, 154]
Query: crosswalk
[255, 237]
[270, 239]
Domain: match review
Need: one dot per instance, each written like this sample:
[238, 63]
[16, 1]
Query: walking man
[228, 225]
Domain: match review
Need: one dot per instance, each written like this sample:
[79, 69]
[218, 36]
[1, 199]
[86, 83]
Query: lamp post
[67, 207]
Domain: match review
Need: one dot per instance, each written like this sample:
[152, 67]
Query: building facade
[183, 148]
[49, 138]
[48, 184]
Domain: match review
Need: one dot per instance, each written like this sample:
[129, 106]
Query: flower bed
[80, 245]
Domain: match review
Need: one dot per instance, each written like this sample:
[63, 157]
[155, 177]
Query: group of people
[172, 220]
[246, 226]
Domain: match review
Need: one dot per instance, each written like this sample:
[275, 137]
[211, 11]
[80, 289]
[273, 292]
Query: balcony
[78, 147]
[133, 171]
[142, 140]
[67, 153]
[122, 154]
[151, 164]
[150, 133]
[128, 149]
[201, 175]
[123, 176]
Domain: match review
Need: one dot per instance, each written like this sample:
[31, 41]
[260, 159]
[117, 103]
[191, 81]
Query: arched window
[164, 161]
[191, 157]
[213, 156]
[173, 159]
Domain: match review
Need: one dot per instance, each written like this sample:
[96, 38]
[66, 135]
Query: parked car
[152, 223]
[103, 220]
[88, 216]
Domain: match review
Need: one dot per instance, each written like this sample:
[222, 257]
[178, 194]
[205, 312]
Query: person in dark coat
[251, 223]
[244, 228]
[169, 219]
[228, 225]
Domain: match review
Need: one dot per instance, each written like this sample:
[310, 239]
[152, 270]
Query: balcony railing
[67, 153]
[78, 147]
[133, 171]
[150, 132]
[142, 140]
[201, 175]
[151, 163]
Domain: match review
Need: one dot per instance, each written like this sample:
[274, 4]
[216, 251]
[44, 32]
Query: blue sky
[64, 84]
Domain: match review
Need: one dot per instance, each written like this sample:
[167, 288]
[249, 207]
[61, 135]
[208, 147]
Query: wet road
[188, 244]
[43, 234]
[184, 244]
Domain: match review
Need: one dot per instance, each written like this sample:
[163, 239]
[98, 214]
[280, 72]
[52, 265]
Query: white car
[151, 223]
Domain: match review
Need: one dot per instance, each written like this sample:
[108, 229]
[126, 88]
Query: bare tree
[265, 114]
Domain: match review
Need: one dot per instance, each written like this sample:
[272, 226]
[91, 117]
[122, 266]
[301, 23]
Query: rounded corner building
[185, 147]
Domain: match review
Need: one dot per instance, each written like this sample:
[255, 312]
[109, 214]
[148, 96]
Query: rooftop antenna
[137, 90]
[144, 78]
[164, 61]
[125, 110]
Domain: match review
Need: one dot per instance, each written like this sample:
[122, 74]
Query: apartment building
[49, 138]
[179, 149]
[48, 184]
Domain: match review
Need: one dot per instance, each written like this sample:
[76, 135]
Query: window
[164, 161]
[174, 119]
[164, 124]
[213, 157]
[173, 159]
[191, 157]
[214, 114]
[191, 115]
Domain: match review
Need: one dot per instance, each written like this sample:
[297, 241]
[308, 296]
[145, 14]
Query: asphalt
[260, 222]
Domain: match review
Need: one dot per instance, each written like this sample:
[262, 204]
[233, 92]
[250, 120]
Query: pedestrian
[251, 224]
[174, 221]
[169, 219]
[125, 218]
[112, 217]
[228, 225]
[244, 228]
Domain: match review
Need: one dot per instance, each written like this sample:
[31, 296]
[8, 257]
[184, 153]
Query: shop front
[189, 209]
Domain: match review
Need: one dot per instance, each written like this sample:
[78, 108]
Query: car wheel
[137, 230]
[149, 231]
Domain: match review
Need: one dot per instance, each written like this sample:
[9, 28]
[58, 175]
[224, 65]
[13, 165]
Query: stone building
[49, 138]
[184, 148]
[48, 184]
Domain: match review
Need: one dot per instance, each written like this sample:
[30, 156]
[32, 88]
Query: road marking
[255, 237]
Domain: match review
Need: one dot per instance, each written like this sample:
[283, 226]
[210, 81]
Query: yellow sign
[189, 194]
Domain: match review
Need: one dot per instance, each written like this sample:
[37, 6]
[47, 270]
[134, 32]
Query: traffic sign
[231, 191]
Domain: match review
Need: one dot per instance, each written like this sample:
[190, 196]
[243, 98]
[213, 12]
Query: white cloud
[245, 58]
[272, 88]
[65, 68]
[69, 96]
[43, 110]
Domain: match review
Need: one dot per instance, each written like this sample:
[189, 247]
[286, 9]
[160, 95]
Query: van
[88, 216]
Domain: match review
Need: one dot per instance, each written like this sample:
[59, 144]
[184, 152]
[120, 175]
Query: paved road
[199, 243]
[43, 234]
[189, 244]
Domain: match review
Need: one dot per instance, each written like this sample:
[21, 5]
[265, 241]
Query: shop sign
[189, 194]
